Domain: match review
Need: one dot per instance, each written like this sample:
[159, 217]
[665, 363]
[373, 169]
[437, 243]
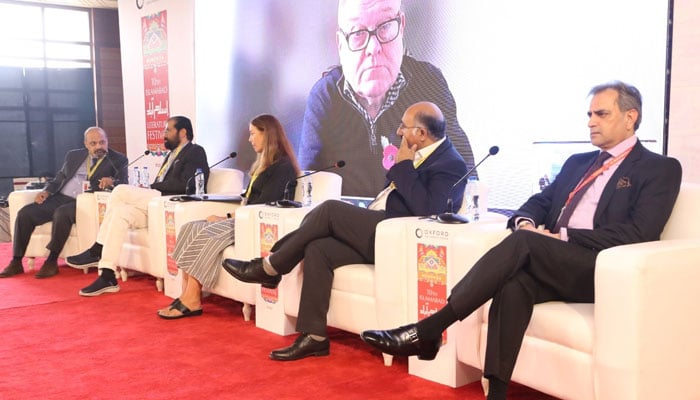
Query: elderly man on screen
[353, 110]
[96, 163]
[336, 233]
[620, 194]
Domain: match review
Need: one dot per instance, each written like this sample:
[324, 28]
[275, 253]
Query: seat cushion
[355, 278]
[567, 324]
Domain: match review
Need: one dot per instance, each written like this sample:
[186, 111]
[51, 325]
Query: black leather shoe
[251, 272]
[49, 269]
[12, 269]
[303, 347]
[403, 341]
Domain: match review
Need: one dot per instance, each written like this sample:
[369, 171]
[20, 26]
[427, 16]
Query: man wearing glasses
[353, 110]
[336, 233]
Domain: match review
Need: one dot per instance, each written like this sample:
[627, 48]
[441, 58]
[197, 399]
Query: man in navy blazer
[336, 233]
[128, 205]
[96, 164]
[627, 199]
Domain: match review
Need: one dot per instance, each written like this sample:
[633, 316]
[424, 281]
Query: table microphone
[288, 203]
[233, 154]
[145, 153]
[450, 217]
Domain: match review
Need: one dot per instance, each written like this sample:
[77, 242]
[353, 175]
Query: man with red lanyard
[619, 195]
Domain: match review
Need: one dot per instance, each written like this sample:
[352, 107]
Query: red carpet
[58, 345]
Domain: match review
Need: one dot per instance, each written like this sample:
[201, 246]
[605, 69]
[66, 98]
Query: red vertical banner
[268, 237]
[432, 280]
[154, 34]
[170, 240]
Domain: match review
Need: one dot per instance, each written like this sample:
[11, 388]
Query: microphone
[233, 154]
[145, 153]
[450, 217]
[286, 202]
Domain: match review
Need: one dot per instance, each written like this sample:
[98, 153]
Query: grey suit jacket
[114, 165]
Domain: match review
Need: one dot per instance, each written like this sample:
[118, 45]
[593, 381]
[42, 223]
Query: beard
[171, 144]
[99, 153]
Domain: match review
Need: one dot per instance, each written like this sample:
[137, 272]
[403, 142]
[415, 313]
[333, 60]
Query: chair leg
[30, 263]
[159, 284]
[388, 359]
[124, 274]
[247, 311]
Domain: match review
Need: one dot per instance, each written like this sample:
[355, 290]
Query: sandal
[184, 311]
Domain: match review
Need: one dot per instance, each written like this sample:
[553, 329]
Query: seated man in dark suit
[128, 205]
[619, 195]
[95, 163]
[336, 233]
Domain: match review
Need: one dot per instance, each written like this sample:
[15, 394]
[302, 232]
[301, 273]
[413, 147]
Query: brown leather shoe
[49, 269]
[14, 268]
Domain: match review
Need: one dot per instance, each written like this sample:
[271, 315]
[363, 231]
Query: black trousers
[58, 208]
[332, 235]
[525, 269]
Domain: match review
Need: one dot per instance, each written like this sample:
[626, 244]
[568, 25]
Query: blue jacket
[334, 129]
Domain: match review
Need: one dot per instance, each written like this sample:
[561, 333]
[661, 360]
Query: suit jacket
[179, 178]
[424, 190]
[634, 205]
[271, 183]
[114, 165]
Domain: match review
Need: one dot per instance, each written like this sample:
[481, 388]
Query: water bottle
[472, 193]
[199, 182]
[137, 177]
[145, 179]
[306, 187]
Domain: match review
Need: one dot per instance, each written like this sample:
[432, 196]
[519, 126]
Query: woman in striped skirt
[200, 243]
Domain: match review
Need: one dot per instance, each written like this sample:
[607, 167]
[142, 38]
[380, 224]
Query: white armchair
[145, 250]
[82, 234]
[639, 339]
[257, 228]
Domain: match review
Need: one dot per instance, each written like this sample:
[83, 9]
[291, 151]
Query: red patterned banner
[101, 210]
[154, 30]
[170, 242]
[432, 280]
[268, 236]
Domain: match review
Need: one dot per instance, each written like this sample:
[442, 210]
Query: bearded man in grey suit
[96, 163]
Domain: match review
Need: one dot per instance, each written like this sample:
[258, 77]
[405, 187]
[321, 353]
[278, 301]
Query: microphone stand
[288, 203]
[450, 217]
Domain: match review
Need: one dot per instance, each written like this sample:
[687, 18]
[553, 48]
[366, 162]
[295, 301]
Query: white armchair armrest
[16, 200]
[646, 324]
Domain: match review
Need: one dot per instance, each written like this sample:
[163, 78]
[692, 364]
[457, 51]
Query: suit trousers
[332, 235]
[525, 269]
[58, 208]
[127, 209]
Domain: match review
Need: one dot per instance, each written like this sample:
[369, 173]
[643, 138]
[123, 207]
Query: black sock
[96, 250]
[17, 259]
[497, 389]
[53, 256]
[108, 275]
[433, 326]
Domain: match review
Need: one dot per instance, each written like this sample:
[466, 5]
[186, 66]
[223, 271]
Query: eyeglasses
[402, 127]
[385, 32]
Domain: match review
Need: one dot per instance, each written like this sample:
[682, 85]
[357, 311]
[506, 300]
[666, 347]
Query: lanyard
[597, 172]
[92, 169]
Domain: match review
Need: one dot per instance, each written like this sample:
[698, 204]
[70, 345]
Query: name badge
[86, 186]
